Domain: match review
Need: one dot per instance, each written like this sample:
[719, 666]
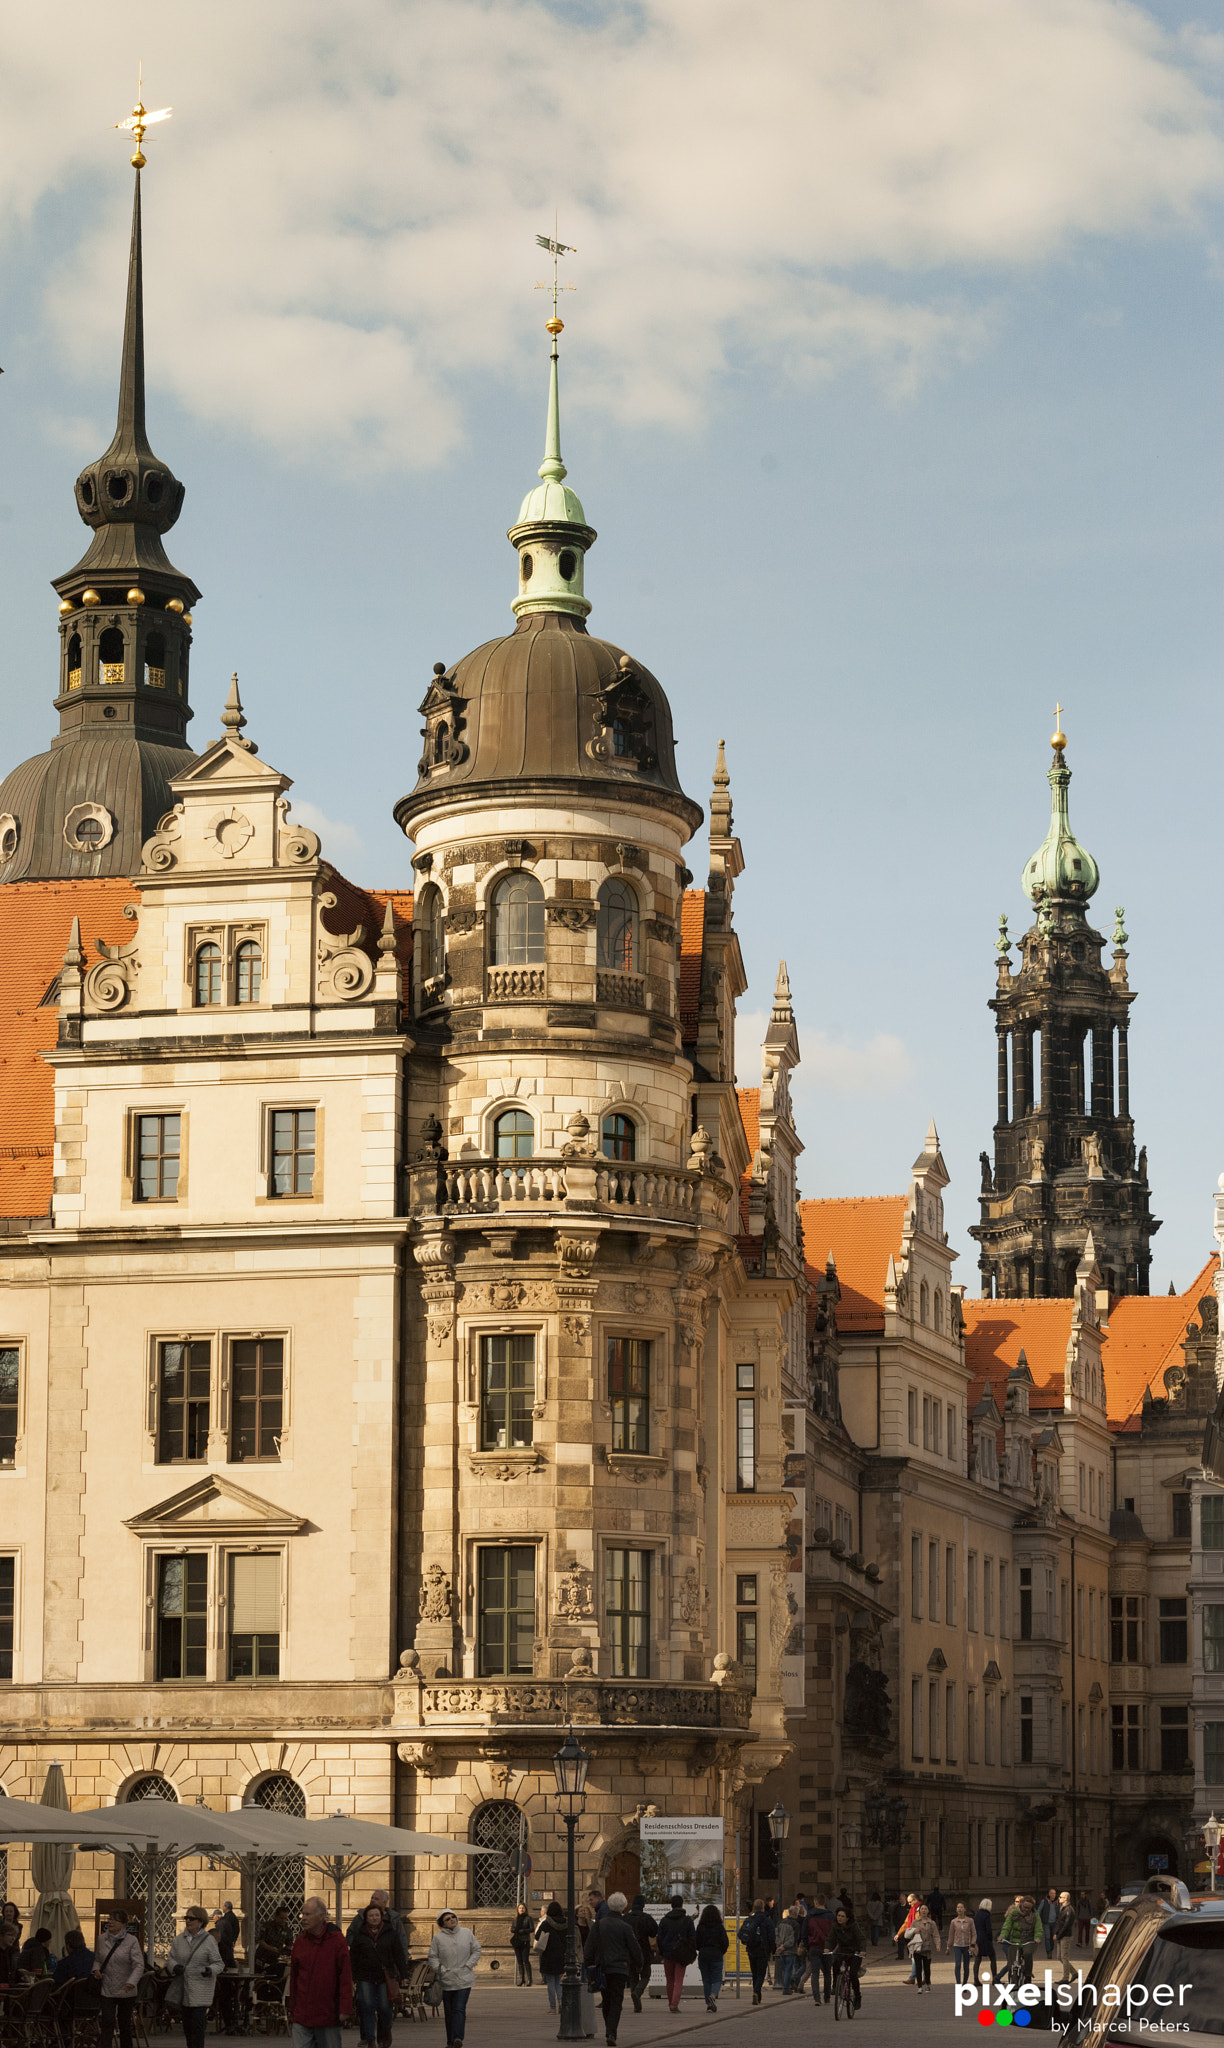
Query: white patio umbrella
[51, 1868]
[341, 1844]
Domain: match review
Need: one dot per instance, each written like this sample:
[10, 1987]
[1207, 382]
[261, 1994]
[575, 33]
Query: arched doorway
[624, 1874]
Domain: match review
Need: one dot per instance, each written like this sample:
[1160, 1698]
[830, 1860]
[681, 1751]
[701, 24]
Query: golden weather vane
[140, 118]
[557, 250]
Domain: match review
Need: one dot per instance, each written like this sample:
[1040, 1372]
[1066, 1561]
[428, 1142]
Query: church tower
[1064, 1153]
[86, 807]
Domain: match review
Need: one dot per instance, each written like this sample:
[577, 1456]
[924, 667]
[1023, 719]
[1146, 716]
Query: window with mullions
[746, 1628]
[627, 1609]
[207, 977]
[506, 1617]
[513, 1135]
[629, 1392]
[10, 1390]
[745, 1429]
[616, 927]
[507, 1392]
[518, 922]
[1180, 1510]
[1213, 1638]
[1211, 1520]
[1026, 1603]
[1213, 1752]
[1026, 1729]
[1125, 1629]
[182, 1616]
[184, 1385]
[1126, 1736]
[254, 1618]
[619, 1136]
[293, 1152]
[1174, 1632]
[257, 1398]
[8, 1616]
[248, 971]
[158, 1154]
[1174, 1738]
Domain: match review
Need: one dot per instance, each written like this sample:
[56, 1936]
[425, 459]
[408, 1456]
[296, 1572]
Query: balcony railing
[620, 991]
[637, 1703]
[516, 984]
[467, 1186]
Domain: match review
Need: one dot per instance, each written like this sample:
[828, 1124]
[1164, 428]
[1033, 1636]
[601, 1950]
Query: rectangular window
[1213, 1752]
[1211, 1520]
[1092, 1621]
[988, 1618]
[1081, 1734]
[933, 1581]
[988, 1730]
[10, 1388]
[1026, 1729]
[916, 1577]
[293, 1152]
[1005, 1729]
[1213, 1638]
[916, 1718]
[1092, 1490]
[950, 1586]
[1026, 1603]
[182, 1616]
[933, 1719]
[1004, 1602]
[1083, 1489]
[746, 1648]
[1125, 1730]
[745, 1433]
[629, 1392]
[507, 1392]
[1173, 1632]
[1049, 1605]
[257, 1398]
[1180, 1506]
[1174, 1738]
[158, 1146]
[1066, 1736]
[971, 1730]
[971, 1591]
[953, 1445]
[912, 1405]
[937, 1428]
[950, 1742]
[628, 1612]
[184, 1387]
[506, 1618]
[1064, 1609]
[254, 1618]
[8, 1617]
[1079, 1620]
[926, 1422]
[1125, 1629]
[1007, 1848]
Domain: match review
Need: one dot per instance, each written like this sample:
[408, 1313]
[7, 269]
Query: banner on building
[682, 1857]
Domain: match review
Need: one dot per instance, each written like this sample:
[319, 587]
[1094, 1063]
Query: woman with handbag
[374, 1952]
[195, 1964]
[454, 1953]
[550, 1950]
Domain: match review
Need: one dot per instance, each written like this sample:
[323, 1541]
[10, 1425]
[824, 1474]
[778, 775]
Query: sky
[891, 383]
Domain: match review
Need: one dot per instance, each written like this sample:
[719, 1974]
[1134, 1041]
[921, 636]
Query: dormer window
[440, 740]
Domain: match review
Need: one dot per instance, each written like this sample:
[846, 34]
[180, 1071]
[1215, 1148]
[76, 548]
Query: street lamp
[779, 1828]
[1212, 1830]
[570, 1767]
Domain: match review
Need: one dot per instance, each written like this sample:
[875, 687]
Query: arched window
[616, 926]
[207, 976]
[74, 662]
[248, 963]
[495, 1879]
[162, 1910]
[155, 661]
[518, 922]
[924, 1303]
[281, 1880]
[619, 1136]
[440, 739]
[939, 1310]
[110, 656]
[513, 1135]
[428, 943]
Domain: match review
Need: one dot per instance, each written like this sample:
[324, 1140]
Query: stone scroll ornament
[109, 982]
[294, 843]
[345, 973]
[436, 1597]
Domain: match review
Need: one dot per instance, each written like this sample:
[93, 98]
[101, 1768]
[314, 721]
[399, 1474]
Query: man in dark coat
[760, 1941]
[983, 1935]
[612, 1946]
[646, 1928]
[677, 1947]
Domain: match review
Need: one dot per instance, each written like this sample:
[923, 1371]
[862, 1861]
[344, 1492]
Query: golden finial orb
[174, 604]
[186, 618]
[1058, 738]
[90, 597]
[135, 597]
[554, 326]
[66, 606]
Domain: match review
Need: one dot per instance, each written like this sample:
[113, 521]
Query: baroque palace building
[412, 1342]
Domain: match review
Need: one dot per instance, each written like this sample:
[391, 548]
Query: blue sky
[892, 385]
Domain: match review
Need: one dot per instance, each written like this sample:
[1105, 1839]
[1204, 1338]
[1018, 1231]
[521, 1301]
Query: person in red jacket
[320, 1980]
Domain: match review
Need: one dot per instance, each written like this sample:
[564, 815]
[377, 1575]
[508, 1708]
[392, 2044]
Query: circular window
[108, 711]
[88, 827]
[154, 486]
[9, 834]
[567, 564]
[526, 565]
[89, 832]
[87, 490]
[118, 485]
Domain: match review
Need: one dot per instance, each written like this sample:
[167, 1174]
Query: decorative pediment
[212, 1506]
[992, 1674]
[937, 1661]
[1095, 1695]
[229, 760]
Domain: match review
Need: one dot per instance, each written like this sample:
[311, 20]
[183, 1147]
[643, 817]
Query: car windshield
[1191, 1959]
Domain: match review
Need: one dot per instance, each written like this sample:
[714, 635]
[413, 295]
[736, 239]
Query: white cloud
[336, 838]
[830, 1064]
[340, 216]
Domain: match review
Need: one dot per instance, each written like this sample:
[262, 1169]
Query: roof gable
[863, 1232]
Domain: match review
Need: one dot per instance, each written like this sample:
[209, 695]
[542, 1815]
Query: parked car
[1160, 1943]
[1102, 1925]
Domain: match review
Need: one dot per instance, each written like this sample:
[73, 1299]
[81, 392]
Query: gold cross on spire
[557, 250]
[1059, 738]
[140, 118]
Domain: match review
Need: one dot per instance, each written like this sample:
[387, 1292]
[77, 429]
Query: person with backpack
[711, 1938]
[760, 1941]
[612, 1948]
[678, 1948]
[550, 1939]
[784, 1963]
[817, 1935]
[646, 1928]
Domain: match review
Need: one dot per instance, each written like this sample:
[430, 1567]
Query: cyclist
[845, 1946]
[1017, 1938]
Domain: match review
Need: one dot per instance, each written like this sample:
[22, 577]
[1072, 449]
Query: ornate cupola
[551, 533]
[87, 806]
[1064, 1170]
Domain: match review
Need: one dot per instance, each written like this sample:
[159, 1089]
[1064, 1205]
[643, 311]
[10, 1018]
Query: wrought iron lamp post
[779, 1828]
[570, 1767]
[1212, 1830]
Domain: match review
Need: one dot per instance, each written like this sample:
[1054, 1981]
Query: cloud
[830, 1064]
[336, 838]
[340, 217]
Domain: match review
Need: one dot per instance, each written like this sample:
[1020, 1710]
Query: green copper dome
[1060, 866]
[551, 531]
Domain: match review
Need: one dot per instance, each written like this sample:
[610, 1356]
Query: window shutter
[255, 1595]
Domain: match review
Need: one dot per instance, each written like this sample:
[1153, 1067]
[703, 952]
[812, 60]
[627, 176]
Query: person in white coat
[454, 1953]
[195, 1965]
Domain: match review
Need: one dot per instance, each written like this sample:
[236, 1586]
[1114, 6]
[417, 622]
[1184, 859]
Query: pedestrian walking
[875, 1917]
[760, 1941]
[393, 1920]
[983, 1935]
[76, 1961]
[1047, 1913]
[374, 1955]
[961, 1942]
[320, 1980]
[520, 1942]
[550, 1937]
[454, 1953]
[678, 1948]
[1083, 1918]
[908, 1918]
[938, 1906]
[817, 1935]
[195, 1965]
[924, 1942]
[784, 1955]
[1064, 1927]
[612, 1948]
[118, 1968]
[646, 1928]
[710, 1935]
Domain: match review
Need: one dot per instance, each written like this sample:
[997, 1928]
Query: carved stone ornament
[294, 843]
[573, 917]
[423, 1757]
[574, 1601]
[109, 982]
[577, 1328]
[345, 973]
[441, 1326]
[227, 832]
[88, 828]
[436, 1258]
[577, 1256]
[690, 1598]
[504, 1471]
[436, 1597]
[662, 928]
[10, 836]
[157, 854]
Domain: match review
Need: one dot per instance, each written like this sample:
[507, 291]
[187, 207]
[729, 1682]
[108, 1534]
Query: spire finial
[722, 779]
[74, 957]
[1058, 738]
[139, 119]
[552, 469]
[233, 718]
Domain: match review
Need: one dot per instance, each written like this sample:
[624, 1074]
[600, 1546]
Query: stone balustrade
[554, 1702]
[516, 984]
[488, 1186]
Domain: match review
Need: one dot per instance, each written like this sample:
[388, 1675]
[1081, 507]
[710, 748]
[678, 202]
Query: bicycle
[843, 1988]
[1020, 1963]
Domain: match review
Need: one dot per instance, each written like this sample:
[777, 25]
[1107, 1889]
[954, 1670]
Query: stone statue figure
[1092, 1155]
[1037, 1159]
[987, 1175]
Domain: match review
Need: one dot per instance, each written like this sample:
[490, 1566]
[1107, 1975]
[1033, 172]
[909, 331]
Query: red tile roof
[996, 1332]
[862, 1232]
[1145, 1338]
[749, 1100]
[692, 939]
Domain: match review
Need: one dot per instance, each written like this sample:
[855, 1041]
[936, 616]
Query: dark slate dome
[547, 704]
[86, 807]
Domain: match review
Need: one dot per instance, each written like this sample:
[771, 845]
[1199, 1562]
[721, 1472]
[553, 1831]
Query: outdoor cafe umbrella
[341, 1844]
[51, 1867]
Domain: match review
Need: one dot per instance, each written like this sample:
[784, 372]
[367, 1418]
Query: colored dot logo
[1005, 2018]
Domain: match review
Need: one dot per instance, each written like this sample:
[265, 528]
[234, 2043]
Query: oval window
[567, 564]
[87, 489]
[526, 566]
[154, 486]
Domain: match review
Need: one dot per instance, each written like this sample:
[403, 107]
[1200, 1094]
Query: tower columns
[1003, 1116]
[1123, 1074]
[1102, 1070]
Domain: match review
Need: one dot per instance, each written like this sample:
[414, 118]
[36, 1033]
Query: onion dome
[1060, 866]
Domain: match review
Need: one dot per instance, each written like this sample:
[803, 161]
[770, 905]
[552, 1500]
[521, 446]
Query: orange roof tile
[749, 1100]
[1145, 1338]
[692, 940]
[863, 1232]
[35, 920]
[996, 1332]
